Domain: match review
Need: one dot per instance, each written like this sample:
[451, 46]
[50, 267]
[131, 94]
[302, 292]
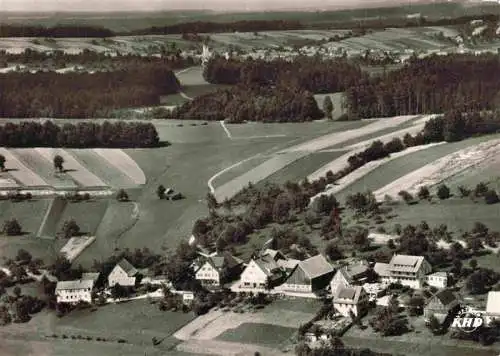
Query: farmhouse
[350, 300]
[123, 274]
[75, 291]
[309, 276]
[350, 275]
[407, 270]
[441, 305]
[218, 269]
[264, 271]
[438, 280]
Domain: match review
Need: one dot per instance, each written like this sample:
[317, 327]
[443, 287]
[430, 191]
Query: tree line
[81, 135]
[430, 85]
[240, 104]
[55, 31]
[306, 73]
[59, 58]
[80, 95]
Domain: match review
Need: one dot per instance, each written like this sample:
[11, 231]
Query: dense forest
[313, 74]
[58, 59]
[254, 103]
[81, 95]
[56, 31]
[80, 135]
[431, 85]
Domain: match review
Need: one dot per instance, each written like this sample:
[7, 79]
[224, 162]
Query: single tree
[423, 193]
[443, 192]
[211, 202]
[122, 195]
[333, 252]
[2, 163]
[160, 191]
[70, 228]
[17, 291]
[464, 191]
[328, 107]
[491, 197]
[58, 163]
[473, 264]
[12, 228]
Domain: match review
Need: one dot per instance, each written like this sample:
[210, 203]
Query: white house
[405, 269]
[493, 305]
[123, 274]
[217, 268]
[348, 276]
[263, 270]
[350, 299]
[438, 280]
[75, 291]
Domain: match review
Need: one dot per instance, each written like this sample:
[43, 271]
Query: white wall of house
[253, 276]
[305, 288]
[344, 308]
[74, 295]
[437, 281]
[119, 276]
[207, 274]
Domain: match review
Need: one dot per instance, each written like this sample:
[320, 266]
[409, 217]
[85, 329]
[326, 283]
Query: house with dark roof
[309, 276]
[264, 271]
[350, 300]
[441, 305]
[408, 270]
[217, 269]
[123, 274]
[353, 274]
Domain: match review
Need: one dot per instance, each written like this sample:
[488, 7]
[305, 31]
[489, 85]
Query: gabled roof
[224, 259]
[493, 303]
[382, 269]
[267, 264]
[275, 254]
[405, 263]
[316, 266]
[445, 297]
[78, 284]
[90, 275]
[127, 267]
[353, 271]
[439, 274]
[349, 295]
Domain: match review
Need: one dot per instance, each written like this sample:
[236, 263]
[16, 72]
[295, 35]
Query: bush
[464, 191]
[407, 197]
[423, 193]
[12, 228]
[491, 197]
[443, 192]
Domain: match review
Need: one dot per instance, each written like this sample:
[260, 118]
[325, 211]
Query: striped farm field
[44, 167]
[395, 169]
[123, 162]
[102, 168]
[72, 167]
[257, 174]
[20, 172]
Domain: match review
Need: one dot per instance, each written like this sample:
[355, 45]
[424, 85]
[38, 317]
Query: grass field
[88, 215]
[48, 226]
[302, 167]
[29, 213]
[261, 334]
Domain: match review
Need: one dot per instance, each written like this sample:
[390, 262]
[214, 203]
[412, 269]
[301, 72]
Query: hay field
[20, 172]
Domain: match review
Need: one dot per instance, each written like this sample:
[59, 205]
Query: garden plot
[44, 168]
[75, 246]
[123, 162]
[20, 172]
[73, 168]
[257, 174]
[443, 168]
[337, 138]
[102, 168]
[343, 183]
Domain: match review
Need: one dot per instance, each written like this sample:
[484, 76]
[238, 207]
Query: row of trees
[83, 134]
[428, 85]
[306, 73]
[240, 104]
[81, 95]
[56, 31]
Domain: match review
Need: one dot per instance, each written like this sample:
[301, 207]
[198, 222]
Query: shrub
[423, 193]
[443, 192]
[464, 191]
[407, 197]
[491, 197]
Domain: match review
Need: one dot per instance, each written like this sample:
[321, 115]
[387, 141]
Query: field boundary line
[226, 130]
[218, 174]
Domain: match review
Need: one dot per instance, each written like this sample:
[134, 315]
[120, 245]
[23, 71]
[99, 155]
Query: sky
[152, 5]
